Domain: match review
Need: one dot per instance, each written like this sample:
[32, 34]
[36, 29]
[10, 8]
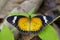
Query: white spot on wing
[45, 19]
[14, 19]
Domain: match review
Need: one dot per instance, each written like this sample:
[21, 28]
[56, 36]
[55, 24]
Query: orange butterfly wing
[33, 25]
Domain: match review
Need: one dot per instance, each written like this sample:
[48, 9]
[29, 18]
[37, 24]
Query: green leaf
[31, 11]
[18, 13]
[48, 33]
[6, 34]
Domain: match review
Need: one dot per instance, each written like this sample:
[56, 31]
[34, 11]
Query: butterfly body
[30, 23]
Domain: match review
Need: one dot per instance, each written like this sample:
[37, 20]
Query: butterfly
[28, 22]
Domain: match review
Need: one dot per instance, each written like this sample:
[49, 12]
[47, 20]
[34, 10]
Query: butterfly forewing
[45, 19]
